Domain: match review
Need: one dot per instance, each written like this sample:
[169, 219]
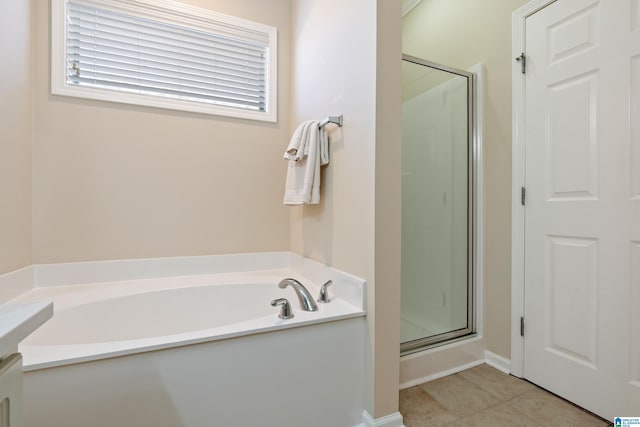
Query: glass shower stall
[438, 204]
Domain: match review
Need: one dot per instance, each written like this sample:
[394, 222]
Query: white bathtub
[193, 351]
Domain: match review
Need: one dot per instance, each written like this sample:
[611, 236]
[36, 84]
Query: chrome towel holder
[336, 120]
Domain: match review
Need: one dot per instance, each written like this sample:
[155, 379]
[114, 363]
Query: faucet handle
[285, 309]
[324, 293]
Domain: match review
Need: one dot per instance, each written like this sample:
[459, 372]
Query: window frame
[178, 14]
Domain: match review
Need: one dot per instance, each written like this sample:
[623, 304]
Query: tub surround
[16, 282]
[309, 376]
[72, 285]
[232, 374]
[96, 272]
[75, 273]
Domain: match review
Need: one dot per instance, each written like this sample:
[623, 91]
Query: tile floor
[485, 397]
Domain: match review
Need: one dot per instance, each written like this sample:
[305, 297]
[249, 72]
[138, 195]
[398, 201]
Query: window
[164, 54]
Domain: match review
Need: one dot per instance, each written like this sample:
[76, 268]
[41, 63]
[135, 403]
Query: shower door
[437, 297]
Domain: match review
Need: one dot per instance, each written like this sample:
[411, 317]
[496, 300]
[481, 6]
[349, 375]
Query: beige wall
[113, 181]
[461, 34]
[341, 50]
[15, 134]
[333, 73]
[388, 215]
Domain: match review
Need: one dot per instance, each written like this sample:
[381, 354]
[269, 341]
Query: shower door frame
[473, 158]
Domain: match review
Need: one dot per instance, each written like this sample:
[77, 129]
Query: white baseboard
[495, 360]
[391, 420]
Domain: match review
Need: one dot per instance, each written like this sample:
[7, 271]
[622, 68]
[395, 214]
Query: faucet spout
[306, 300]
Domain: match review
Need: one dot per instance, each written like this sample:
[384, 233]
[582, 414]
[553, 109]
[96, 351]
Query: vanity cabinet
[17, 321]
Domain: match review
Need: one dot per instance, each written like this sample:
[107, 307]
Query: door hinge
[522, 59]
[522, 326]
[523, 195]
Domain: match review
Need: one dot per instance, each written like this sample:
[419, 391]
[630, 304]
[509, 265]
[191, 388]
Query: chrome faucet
[306, 300]
[285, 308]
[324, 292]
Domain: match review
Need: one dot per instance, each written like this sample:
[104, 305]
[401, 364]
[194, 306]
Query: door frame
[518, 175]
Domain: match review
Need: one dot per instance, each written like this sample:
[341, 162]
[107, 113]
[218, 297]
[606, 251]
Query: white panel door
[582, 213]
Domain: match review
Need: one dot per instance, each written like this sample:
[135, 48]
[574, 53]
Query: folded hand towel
[299, 140]
[303, 175]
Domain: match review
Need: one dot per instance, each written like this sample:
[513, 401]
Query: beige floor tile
[550, 410]
[499, 384]
[459, 396]
[502, 415]
[418, 409]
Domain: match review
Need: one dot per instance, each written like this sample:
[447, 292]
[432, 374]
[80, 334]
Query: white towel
[324, 147]
[299, 141]
[303, 175]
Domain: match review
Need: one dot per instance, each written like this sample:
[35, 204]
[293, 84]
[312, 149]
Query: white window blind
[224, 69]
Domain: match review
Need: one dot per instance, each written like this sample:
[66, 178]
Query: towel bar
[337, 120]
